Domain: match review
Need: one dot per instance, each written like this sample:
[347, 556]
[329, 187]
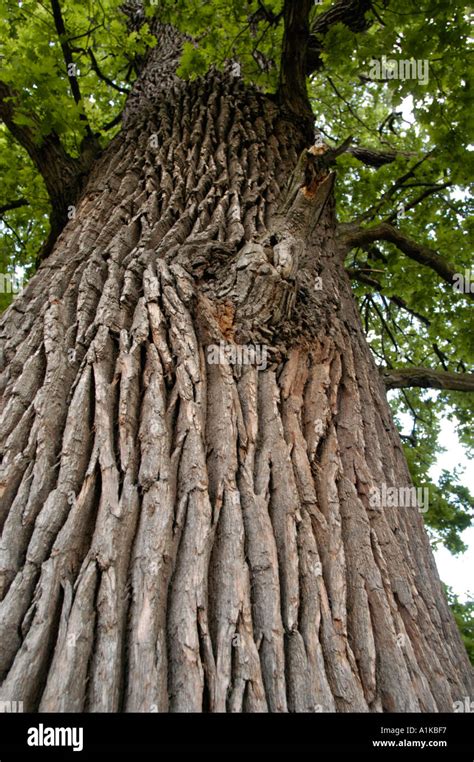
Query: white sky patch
[406, 107]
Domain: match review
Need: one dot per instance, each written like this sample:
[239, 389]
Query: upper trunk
[184, 530]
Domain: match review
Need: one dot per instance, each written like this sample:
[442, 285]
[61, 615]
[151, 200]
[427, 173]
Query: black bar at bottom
[90, 736]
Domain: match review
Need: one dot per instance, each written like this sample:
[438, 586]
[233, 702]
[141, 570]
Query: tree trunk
[186, 527]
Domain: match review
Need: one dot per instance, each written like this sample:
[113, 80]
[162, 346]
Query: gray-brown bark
[183, 535]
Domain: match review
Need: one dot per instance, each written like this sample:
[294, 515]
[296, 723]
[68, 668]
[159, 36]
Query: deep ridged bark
[182, 535]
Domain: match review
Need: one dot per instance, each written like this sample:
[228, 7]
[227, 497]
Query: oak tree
[206, 504]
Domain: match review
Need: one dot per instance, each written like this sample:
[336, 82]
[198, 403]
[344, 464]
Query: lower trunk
[193, 433]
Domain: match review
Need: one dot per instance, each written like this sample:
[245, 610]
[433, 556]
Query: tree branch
[386, 232]
[399, 183]
[103, 77]
[62, 174]
[14, 205]
[351, 13]
[362, 277]
[47, 153]
[428, 192]
[425, 378]
[292, 90]
[374, 158]
[349, 107]
[112, 123]
[69, 61]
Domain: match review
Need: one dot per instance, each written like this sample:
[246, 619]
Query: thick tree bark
[183, 535]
